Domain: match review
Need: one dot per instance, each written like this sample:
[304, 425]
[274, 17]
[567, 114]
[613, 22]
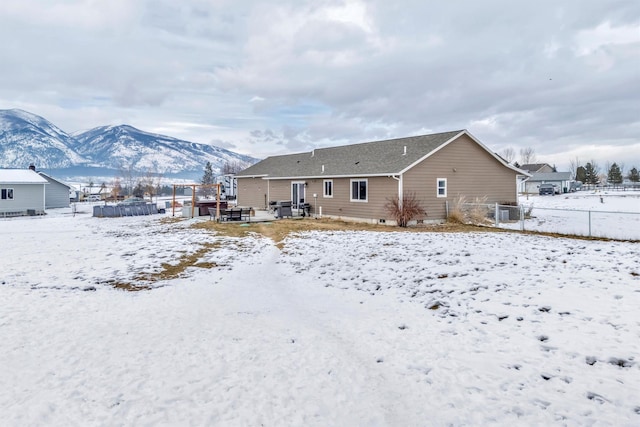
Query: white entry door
[297, 194]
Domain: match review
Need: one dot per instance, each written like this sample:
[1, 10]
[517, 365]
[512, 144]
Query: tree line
[613, 173]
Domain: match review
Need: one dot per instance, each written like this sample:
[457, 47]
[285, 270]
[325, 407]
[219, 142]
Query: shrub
[479, 212]
[405, 211]
[463, 212]
[456, 211]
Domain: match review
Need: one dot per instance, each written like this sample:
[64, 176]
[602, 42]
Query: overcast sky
[262, 78]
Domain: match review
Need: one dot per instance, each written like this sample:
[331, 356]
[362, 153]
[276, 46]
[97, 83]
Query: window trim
[7, 194]
[438, 187]
[366, 190]
[324, 188]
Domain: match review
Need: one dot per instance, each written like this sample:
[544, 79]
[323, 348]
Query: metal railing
[590, 223]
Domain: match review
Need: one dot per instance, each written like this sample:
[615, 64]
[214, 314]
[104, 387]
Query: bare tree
[232, 167]
[509, 154]
[573, 165]
[129, 177]
[527, 155]
[152, 180]
[116, 189]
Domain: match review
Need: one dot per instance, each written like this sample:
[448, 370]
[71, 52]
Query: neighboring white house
[22, 192]
[57, 194]
[562, 180]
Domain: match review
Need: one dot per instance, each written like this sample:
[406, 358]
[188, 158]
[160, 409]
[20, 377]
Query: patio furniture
[283, 208]
[231, 214]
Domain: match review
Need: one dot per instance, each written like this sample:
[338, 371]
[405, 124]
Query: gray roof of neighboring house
[551, 176]
[364, 159]
[50, 178]
[533, 167]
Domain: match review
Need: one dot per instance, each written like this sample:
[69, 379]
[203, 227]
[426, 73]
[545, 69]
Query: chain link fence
[606, 224]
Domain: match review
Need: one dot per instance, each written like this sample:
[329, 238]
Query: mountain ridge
[26, 138]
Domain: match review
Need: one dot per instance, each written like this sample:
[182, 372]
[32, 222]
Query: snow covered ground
[611, 214]
[337, 328]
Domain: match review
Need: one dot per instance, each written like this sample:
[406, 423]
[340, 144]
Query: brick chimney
[32, 167]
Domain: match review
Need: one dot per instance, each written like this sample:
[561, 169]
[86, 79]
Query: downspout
[399, 179]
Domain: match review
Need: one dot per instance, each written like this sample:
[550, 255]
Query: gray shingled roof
[365, 159]
[533, 167]
[551, 176]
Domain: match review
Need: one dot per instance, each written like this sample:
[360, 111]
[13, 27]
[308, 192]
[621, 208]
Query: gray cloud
[561, 78]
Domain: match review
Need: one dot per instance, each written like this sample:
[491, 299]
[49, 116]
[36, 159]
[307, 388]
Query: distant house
[355, 182]
[562, 180]
[22, 192]
[57, 194]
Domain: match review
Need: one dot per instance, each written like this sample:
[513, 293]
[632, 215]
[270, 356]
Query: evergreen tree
[581, 174]
[138, 190]
[207, 179]
[614, 174]
[633, 175]
[591, 174]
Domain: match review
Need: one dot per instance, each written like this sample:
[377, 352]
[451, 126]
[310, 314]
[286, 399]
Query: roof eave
[252, 176]
[328, 176]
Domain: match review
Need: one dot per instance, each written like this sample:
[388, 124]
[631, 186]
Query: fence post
[446, 208]
[496, 215]
[589, 223]
[521, 218]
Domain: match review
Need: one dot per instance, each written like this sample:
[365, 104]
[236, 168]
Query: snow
[336, 328]
[611, 214]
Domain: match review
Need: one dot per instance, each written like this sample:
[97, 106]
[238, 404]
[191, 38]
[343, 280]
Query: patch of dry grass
[279, 230]
[169, 271]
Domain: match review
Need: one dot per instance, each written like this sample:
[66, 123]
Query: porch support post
[173, 201]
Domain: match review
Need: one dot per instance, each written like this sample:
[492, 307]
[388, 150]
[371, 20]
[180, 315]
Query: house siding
[379, 189]
[280, 190]
[25, 196]
[252, 192]
[56, 195]
[469, 169]
[470, 172]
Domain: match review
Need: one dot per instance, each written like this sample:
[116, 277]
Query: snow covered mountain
[26, 138]
[118, 147]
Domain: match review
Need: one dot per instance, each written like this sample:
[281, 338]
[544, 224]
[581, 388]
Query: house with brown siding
[355, 182]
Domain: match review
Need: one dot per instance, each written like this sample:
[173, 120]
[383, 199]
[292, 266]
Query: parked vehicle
[547, 189]
[575, 186]
[93, 198]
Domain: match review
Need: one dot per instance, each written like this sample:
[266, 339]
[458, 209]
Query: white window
[358, 190]
[328, 188]
[6, 194]
[441, 187]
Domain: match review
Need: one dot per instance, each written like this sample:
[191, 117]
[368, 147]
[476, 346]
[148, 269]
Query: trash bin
[283, 209]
